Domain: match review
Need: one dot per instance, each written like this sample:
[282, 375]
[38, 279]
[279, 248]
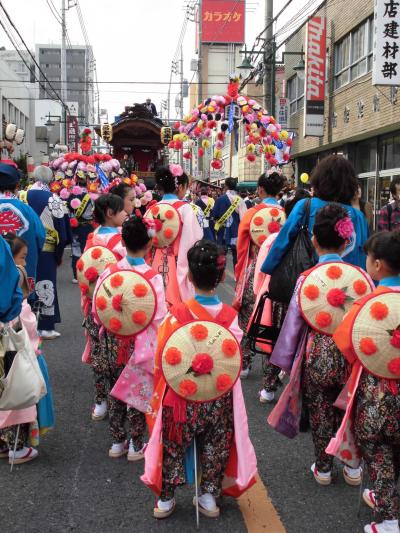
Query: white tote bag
[24, 384]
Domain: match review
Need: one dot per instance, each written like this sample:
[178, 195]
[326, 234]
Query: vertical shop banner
[315, 77]
[72, 133]
[222, 21]
[282, 112]
[386, 59]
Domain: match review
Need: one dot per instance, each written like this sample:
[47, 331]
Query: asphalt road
[75, 486]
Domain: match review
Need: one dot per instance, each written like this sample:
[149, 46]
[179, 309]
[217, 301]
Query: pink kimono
[261, 285]
[135, 385]
[178, 287]
[244, 459]
[96, 239]
[27, 415]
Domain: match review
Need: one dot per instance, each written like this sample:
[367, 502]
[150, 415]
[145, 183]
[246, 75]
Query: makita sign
[315, 77]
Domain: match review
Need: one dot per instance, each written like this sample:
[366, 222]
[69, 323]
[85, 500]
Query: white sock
[165, 506]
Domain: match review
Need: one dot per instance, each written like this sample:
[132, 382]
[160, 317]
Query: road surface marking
[258, 512]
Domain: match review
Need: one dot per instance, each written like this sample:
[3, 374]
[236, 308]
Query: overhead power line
[30, 54]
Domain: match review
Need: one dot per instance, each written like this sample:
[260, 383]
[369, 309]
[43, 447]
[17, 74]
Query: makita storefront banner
[315, 77]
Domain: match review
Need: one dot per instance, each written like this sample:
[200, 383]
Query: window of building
[353, 54]
[389, 152]
[295, 92]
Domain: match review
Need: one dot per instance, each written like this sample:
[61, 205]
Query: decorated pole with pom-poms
[210, 121]
[86, 141]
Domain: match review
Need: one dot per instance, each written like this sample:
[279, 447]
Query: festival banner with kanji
[386, 62]
[315, 77]
[222, 21]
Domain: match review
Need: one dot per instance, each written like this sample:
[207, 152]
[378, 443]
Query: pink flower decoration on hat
[344, 227]
[176, 170]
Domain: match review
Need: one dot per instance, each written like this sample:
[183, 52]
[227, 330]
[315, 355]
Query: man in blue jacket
[227, 213]
[17, 217]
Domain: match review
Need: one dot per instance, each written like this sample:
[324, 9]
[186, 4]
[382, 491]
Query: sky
[134, 40]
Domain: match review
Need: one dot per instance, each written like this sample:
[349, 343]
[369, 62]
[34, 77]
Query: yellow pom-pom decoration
[176, 137]
[304, 177]
[250, 148]
[205, 143]
[284, 135]
[217, 154]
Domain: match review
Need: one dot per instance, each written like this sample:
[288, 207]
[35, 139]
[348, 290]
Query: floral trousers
[325, 373]
[377, 432]
[119, 414]
[246, 310]
[9, 434]
[271, 381]
[211, 424]
[99, 366]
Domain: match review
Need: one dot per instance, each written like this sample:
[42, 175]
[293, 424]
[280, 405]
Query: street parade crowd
[316, 292]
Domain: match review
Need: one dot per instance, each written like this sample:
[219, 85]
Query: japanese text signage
[315, 77]
[222, 21]
[282, 111]
[72, 133]
[386, 65]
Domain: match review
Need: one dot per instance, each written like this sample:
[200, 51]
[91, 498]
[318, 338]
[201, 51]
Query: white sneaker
[134, 455]
[387, 526]
[266, 397]
[207, 505]
[323, 478]
[164, 509]
[100, 411]
[74, 280]
[352, 476]
[22, 456]
[118, 449]
[49, 335]
[244, 374]
[369, 498]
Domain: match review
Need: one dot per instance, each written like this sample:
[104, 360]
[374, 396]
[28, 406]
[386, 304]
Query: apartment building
[361, 121]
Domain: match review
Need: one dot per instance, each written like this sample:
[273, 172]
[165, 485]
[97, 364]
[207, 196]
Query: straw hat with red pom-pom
[91, 265]
[167, 224]
[265, 222]
[124, 302]
[328, 291]
[201, 361]
[375, 335]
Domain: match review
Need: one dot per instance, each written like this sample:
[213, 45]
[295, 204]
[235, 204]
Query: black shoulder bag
[298, 258]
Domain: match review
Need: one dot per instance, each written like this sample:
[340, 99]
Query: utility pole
[269, 59]
[181, 73]
[64, 139]
[200, 73]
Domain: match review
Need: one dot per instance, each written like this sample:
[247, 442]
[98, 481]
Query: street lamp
[246, 67]
[301, 65]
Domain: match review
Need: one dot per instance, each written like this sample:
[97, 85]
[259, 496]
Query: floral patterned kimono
[226, 454]
[318, 374]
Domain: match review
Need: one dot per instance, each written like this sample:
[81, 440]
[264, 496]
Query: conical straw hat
[375, 335]
[201, 361]
[91, 265]
[125, 302]
[265, 222]
[328, 291]
[167, 224]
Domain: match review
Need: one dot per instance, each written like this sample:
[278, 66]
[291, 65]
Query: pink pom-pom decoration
[64, 194]
[142, 187]
[148, 195]
[75, 203]
[176, 170]
[77, 190]
[344, 228]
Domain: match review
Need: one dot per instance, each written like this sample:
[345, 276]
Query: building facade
[361, 121]
[80, 83]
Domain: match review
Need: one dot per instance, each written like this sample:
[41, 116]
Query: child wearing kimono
[274, 312]
[269, 187]
[324, 370]
[42, 414]
[110, 214]
[139, 357]
[374, 402]
[172, 262]
[226, 455]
